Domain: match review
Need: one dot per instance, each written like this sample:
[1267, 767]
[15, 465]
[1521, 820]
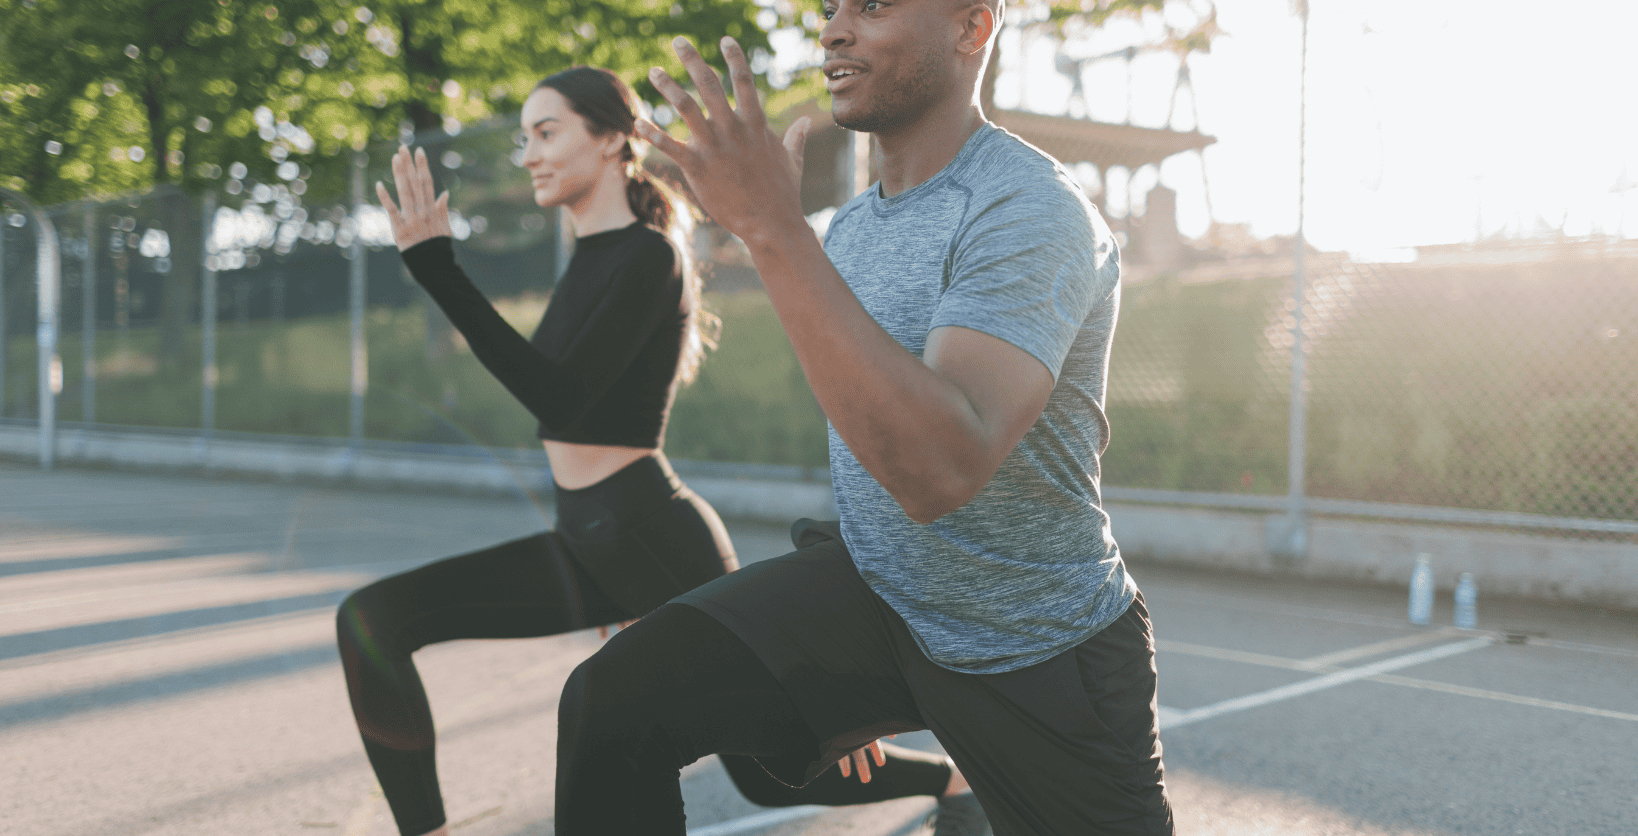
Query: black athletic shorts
[1066, 746]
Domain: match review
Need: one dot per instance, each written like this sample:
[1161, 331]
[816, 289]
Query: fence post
[1293, 544]
[88, 322]
[356, 280]
[4, 222]
[49, 277]
[207, 316]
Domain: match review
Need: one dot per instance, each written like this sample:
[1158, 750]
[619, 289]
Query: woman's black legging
[623, 547]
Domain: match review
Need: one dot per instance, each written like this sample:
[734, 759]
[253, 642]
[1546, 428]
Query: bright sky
[1429, 121]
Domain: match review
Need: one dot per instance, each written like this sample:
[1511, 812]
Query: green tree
[104, 97]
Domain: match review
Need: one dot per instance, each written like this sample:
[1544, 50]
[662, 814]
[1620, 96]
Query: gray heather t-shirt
[1001, 241]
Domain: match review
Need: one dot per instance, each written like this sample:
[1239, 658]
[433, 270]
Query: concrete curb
[753, 492]
[1586, 570]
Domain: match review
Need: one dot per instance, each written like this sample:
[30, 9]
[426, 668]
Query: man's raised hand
[743, 176]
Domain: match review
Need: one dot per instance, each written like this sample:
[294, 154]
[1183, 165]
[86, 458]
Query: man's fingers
[843, 765]
[745, 95]
[680, 101]
[705, 79]
[864, 766]
[877, 753]
[796, 142]
[667, 145]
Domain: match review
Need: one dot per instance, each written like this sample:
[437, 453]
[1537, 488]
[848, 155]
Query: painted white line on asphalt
[757, 821]
[1584, 648]
[1326, 661]
[1429, 685]
[1331, 680]
[1170, 646]
[1274, 608]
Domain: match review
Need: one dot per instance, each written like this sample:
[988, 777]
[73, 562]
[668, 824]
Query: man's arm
[931, 430]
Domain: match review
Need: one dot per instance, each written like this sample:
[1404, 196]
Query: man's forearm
[913, 429]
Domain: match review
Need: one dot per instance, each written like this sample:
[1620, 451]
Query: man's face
[887, 62]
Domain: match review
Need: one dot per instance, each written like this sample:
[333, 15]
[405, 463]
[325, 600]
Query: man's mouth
[837, 73]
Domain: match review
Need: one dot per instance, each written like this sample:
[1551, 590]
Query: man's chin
[851, 117]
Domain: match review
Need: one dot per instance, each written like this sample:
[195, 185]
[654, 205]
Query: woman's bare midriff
[576, 466]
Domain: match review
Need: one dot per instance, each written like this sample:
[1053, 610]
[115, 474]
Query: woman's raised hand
[418, 215]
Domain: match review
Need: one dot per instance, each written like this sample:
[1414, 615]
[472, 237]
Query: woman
[622, 331]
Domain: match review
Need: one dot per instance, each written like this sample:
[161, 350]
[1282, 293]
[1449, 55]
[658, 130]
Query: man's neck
[911, 155]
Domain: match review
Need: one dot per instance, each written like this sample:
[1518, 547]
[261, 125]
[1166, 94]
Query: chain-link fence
[249, 328]
[1499, 377]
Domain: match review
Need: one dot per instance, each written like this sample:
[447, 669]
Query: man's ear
[979, 23]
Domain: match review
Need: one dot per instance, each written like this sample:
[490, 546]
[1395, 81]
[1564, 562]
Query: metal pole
[207, 315]
[4, 222]
[88, 322]
[49, 277]
[1295, 547]
[565, 240]
[356, 277]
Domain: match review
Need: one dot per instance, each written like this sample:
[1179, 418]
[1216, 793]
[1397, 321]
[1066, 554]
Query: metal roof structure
[1102, 144]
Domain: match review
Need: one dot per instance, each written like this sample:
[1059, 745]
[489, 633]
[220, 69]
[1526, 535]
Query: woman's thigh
[518, 589]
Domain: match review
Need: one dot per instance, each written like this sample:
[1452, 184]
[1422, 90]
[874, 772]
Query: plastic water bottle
[1466, 601]
[1421, 590]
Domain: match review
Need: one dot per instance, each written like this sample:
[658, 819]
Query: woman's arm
[608, 337]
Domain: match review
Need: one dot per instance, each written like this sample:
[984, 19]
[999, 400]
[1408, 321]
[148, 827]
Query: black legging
[623, 547]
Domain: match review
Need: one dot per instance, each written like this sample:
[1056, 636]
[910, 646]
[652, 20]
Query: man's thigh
[1067, 746]
[826, 638]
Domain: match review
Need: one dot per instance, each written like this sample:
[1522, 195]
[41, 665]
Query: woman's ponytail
[650, 200]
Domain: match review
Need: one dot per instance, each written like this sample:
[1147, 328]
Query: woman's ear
[612, 145]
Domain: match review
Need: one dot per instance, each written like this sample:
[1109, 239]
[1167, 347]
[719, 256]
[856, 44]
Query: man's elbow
[933, 499]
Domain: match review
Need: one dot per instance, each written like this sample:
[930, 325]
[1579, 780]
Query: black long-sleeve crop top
[602, 366]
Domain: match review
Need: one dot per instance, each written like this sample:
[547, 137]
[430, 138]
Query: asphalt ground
[167, 666]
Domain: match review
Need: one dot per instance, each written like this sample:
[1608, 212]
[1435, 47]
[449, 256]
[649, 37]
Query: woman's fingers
[423, 179]
[403, 177]
[385, 197]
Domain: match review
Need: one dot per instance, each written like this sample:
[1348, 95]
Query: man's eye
[827, 13]
[871, 5]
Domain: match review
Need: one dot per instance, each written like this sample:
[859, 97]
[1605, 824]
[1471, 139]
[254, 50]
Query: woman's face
[564, 160]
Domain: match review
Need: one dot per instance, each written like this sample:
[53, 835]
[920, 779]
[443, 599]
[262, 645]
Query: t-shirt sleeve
[1028, 268]
[609, 336]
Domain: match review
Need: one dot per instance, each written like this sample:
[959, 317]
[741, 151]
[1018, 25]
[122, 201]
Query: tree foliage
[102, 97]
[99, 97]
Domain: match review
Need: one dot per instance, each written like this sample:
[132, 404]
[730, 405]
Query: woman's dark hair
[609, 106]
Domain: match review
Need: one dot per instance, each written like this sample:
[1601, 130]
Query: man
[955, 328]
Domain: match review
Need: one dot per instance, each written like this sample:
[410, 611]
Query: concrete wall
[1503, 562]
